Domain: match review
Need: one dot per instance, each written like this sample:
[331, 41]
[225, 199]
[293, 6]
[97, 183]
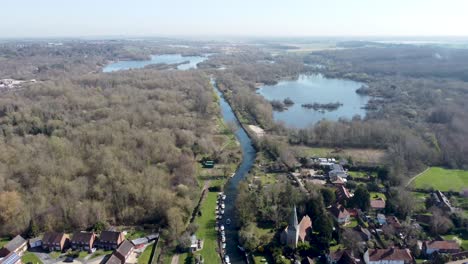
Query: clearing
[442, 179]
[366, 156]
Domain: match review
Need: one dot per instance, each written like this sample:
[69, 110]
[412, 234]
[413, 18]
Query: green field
[30, 257]
[145, 256]
[442, 179]
[206, 229]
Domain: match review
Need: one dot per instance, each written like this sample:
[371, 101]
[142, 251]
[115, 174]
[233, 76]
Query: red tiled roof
[342, 193]
[339, 211]
[305, 224]
[378, 203]
[390, 254]
[393, 221]
[442, 244]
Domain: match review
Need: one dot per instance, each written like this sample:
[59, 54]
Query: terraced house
[83, 241]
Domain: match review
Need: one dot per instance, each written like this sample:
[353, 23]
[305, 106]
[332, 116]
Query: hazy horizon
[296, 18]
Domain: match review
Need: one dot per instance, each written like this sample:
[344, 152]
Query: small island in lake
[281, 105]
[318, 106]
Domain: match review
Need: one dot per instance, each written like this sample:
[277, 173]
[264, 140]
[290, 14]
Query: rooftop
[390, 254]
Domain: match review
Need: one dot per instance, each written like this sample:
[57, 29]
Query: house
[442, 201]
[17, 245]
[83, 241]
[53, 241]
[377, 204]
[336, 170]
[35, 242]
[388, 256]
[295, 231]
[124, 250]
[342, 193]
[381, 219]
[140, 242]
[338, 181]
[195, 244]
[110, 239]
[340, 214]
[11, 258]
[394, 222]
[441, 246]
[342, 256]
[113, 259]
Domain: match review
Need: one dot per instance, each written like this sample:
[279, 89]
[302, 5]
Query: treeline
[118, 148]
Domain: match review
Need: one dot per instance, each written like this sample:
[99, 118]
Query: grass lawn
[83, 254]
[420, 196]
[206, 229]
[100, 252]
[368, 156]
[145, 256]
[261, 258]
[133, 234]
[4, 241]
[30, 257]
[54, 255]
[358, 174]
[463, 242]
[442, 179]
[267, 178]
[376, 195]
[352, 224]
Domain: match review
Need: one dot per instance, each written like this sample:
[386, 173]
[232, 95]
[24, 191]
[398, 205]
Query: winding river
[248, 159]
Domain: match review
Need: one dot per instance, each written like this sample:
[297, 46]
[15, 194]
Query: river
[230, 190]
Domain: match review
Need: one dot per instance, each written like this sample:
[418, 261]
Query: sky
[82, 18]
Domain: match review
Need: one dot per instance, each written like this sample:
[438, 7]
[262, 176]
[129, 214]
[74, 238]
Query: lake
[315, 89]
[157, 59]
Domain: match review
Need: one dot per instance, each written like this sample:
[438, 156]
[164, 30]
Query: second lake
[157, 59]
[309, 89]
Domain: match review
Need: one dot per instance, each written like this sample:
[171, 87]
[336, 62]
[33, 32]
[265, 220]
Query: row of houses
[86, 241]
[55, 241]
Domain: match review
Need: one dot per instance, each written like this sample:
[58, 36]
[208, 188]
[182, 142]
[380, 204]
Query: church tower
[293, 229]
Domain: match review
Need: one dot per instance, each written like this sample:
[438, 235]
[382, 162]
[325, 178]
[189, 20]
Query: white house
[388, 256]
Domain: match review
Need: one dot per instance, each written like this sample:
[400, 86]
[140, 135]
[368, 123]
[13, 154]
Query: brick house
[340, 214]
[124, 250]
[110, 239]
[53, 241]
[83, 241]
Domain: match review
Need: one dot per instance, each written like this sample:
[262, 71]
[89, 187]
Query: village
[366, 229]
